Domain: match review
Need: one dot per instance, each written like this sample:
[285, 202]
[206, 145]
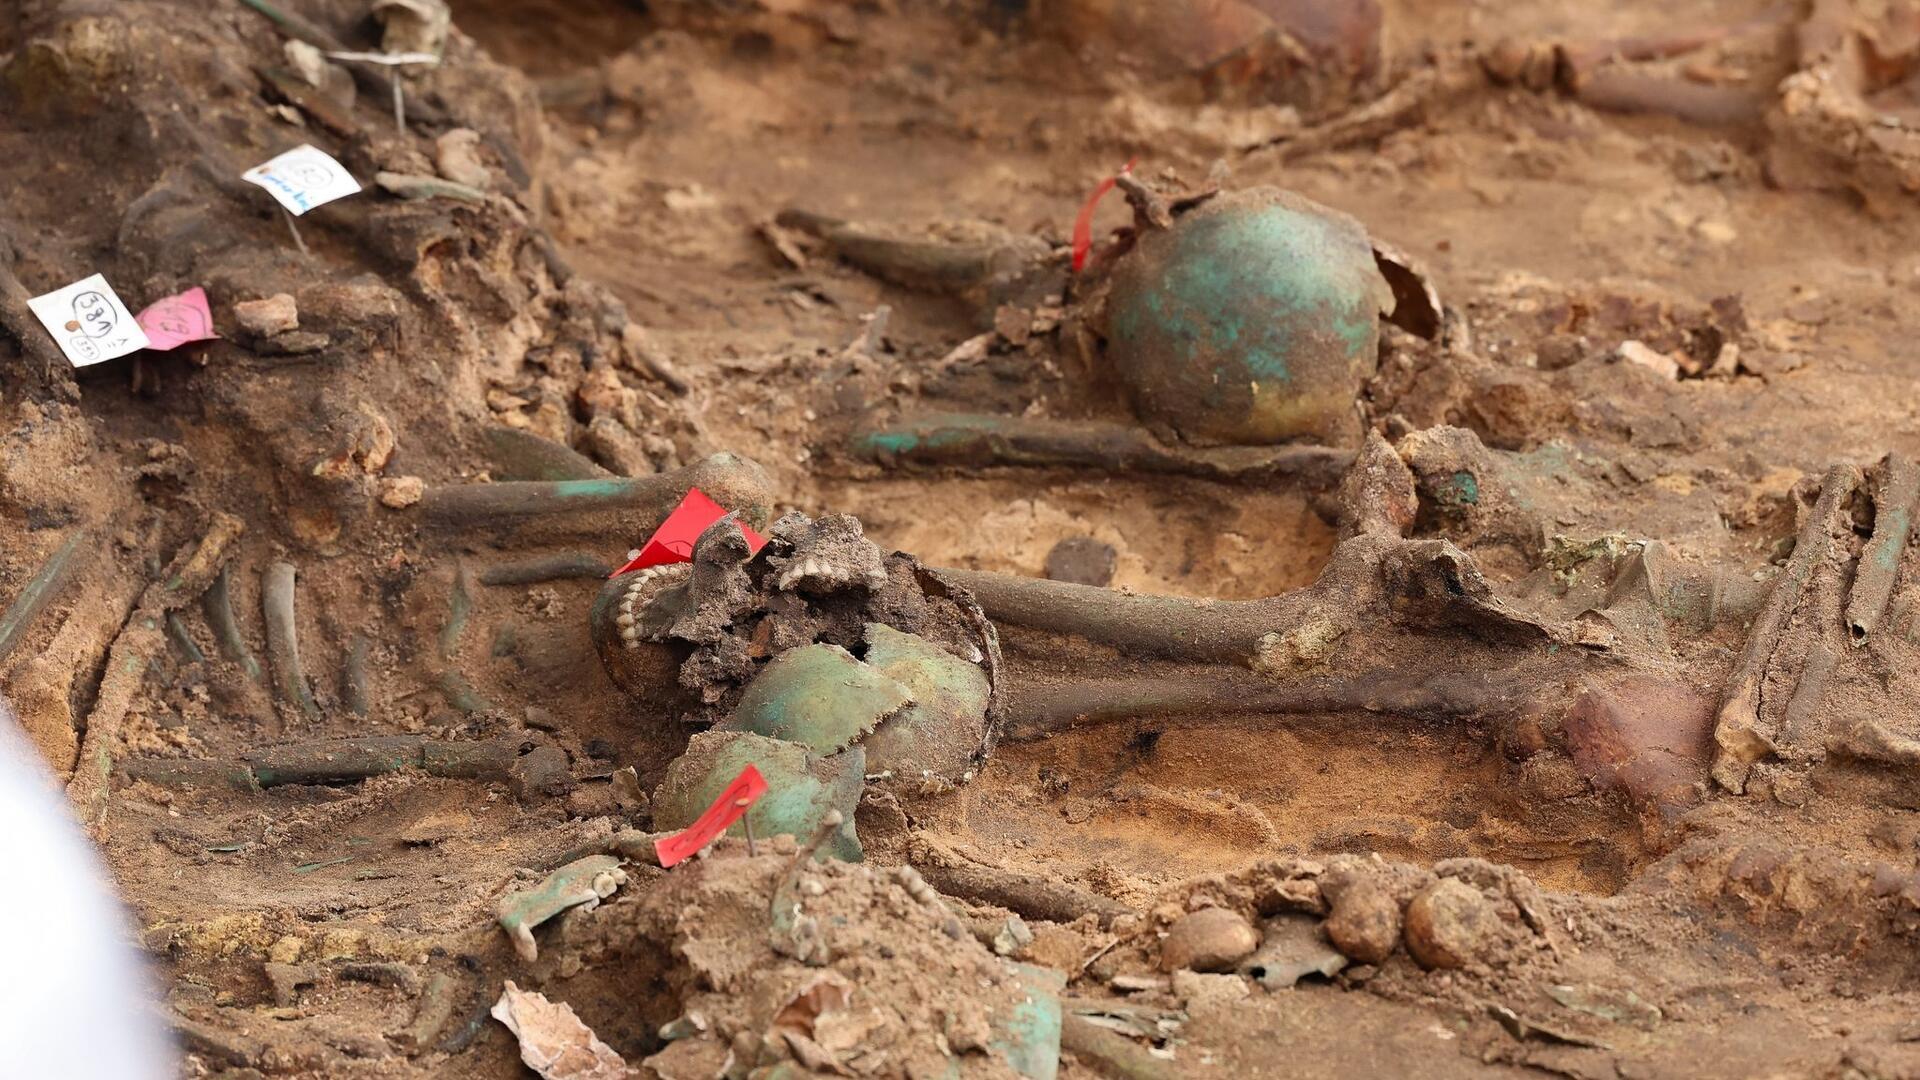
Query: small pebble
[1635, 352]
[1449, 924]
[1197, 991]
[1081, 560]
[399, 492]
[456, 156]
[276, 314]
[1364, 923]
[1211, 939]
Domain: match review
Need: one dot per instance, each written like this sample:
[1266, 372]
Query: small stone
[296, 343]
[1081, 560]
[1012, 938]
[307, 62]
[276, 314]
[541, 771]
[1637, 352]
[1767, 363]
[627, 793]
[1196, 990]
[400, 492]
[1365, 922]
[612, 444]
[456, 156]
[1726, 363]
[1211, 939]
[1449, 924]
[1506, 60]
[287, 979]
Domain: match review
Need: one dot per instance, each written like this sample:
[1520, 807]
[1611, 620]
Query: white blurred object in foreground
[74, 1001]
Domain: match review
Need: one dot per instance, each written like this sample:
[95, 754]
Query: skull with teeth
[829, 554]
[736, 637]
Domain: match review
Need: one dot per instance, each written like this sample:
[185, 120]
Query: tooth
[625, 620]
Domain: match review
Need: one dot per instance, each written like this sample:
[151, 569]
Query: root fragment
[1029, 897]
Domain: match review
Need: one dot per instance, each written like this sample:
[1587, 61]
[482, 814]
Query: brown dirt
[1772, 929]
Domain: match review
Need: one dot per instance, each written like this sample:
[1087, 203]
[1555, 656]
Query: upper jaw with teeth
[642, 587]
[820, 574]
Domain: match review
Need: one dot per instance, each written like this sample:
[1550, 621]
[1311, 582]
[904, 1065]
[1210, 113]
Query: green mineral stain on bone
[1252, 320]
[933, 433]
[1463, 489]
[1229, 269]
[608, 488]
[887, 442]
[1888, 555]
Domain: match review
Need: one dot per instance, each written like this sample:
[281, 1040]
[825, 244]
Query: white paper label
[303, 178]
[89, 322]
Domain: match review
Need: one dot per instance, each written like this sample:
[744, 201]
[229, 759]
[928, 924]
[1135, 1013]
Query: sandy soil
[1637, 892]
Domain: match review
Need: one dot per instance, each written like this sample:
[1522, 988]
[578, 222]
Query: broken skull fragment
[815, 658]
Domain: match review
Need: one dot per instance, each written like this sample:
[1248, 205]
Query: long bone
[730, 480]
[1384, 605]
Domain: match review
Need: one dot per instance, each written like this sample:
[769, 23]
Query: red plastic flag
[1083, 224]
[673, 541]
[726, 810]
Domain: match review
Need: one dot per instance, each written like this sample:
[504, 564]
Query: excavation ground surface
[1665, 324]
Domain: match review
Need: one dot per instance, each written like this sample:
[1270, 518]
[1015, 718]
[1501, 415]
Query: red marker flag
[1083, 224]
[673, 541]
[726, 810]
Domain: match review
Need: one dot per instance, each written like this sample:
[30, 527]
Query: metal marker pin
[295, 230]
[394, 62]
[746, 822]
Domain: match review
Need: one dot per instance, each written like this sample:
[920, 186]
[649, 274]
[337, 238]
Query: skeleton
[1212, 406]
[1408, 628]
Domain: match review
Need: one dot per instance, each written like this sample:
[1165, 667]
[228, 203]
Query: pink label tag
[177, 320]
[726, 810]
[673, 541]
